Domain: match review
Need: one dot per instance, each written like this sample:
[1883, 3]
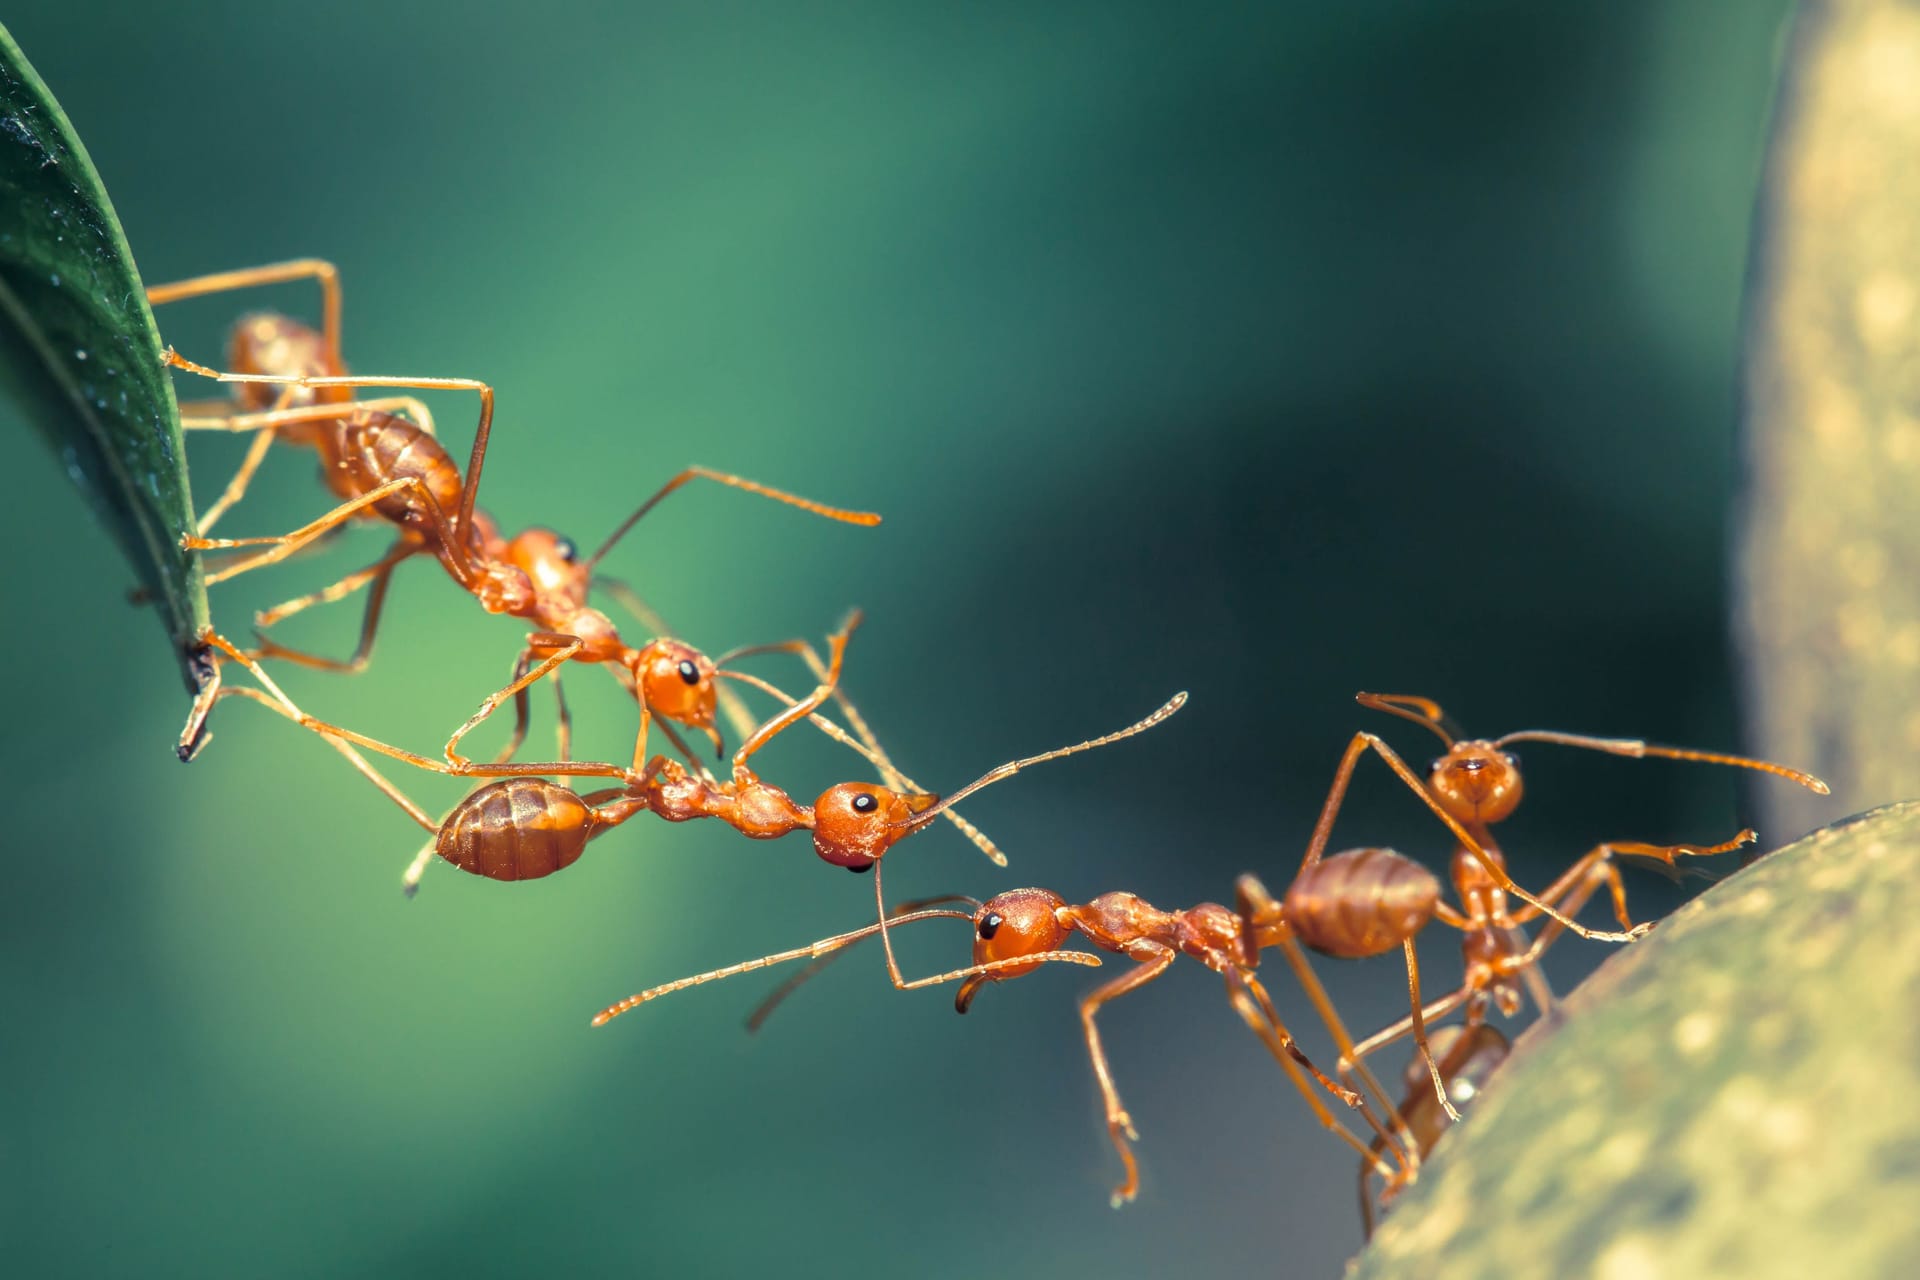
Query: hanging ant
[1466, 1057]
[1475, 784]
[386, 465]
[526, 827]
[1016, 931]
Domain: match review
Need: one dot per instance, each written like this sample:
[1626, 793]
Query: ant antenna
[1421, 711]
[1638, 750]
[845, 516]
[825, 946]
[1012, 767]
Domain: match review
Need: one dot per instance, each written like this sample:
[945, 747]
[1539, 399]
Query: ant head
[552, 561]
[1022, 922]
[677, 681]
[1476, 781]
[855, 823]
[503, 589]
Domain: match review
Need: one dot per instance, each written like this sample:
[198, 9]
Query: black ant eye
[863, 867]
[1513, 760]
[865, 802]
[990, 924]
[564, 548]
[689, 672]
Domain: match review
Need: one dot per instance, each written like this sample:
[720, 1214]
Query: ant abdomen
[1361, 902]
[376, 447]
[516, 829]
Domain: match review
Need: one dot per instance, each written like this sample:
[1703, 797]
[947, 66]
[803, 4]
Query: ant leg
[1281, 1046]
[1119, 1123]
[454, 769]
[1364, 742]
[564, 647]
[282, 704]
[456, 549]
[265, 438]
[1419, 1019]
[1599, 861]
[1257, 907]
[1387, 1035]
[354, 758]
[1255, 997]
[837, 646]
[382, 575]
[261, 420]
[324, 273]
[733, 482]
[403, 550]
[284, 545]
[237, 486]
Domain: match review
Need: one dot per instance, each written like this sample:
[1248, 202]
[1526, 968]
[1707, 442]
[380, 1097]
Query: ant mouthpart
[917, 803]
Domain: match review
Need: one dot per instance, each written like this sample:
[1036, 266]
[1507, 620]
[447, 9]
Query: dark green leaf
[79, 354]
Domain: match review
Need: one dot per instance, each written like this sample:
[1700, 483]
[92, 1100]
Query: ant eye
[865, 802]
[1513, 759]
[990, 924]
[689, 672]
[564, 548]
[862, 868]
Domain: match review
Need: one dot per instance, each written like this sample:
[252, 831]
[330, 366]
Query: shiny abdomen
[1361, 902]
[516, 829]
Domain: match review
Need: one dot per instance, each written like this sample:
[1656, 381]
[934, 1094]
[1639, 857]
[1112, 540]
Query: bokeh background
[1271, 355]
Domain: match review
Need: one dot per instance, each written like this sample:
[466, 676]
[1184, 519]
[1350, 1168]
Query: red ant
[1466, 1057]
[527, 827]
[1015, 932]
[386, 466]
[1474, 785]
[389, 465]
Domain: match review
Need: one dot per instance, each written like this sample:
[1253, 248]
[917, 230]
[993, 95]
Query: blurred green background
[1272, 355]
